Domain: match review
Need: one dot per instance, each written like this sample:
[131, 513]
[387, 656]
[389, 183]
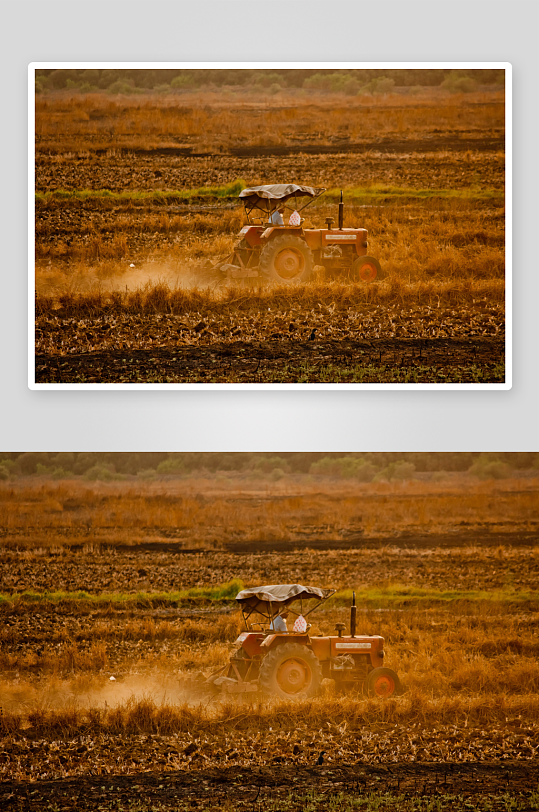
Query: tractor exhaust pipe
[341, 219]
[353, 613]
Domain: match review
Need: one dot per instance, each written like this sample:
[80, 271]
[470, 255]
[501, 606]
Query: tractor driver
[278, 624]
[276, 218]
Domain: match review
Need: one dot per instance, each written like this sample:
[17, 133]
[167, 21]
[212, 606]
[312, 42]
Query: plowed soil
[156, 169]
[137, 567]
[405, 360]
[245, 788]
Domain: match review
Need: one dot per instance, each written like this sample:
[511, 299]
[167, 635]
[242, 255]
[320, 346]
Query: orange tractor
[287, 252]
[291, 665]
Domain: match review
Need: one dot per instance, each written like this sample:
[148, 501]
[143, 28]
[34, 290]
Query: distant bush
[102, 473]
[266, 464]
[382, 85]
[120, 86]
[457, 83]
[27, 463]
[274, 88]
[269, 79]
[4, 473]
[351, 87]
[345, 467]
[181, 82]
[327, 81]
[52, 471]
[64, 459]
[488, 468]
[396, 472]
[173, 465]
[148, 475]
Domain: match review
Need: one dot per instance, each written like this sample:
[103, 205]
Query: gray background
[272, 30]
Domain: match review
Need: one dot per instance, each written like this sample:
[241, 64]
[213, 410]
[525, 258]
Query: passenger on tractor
[295, 219]
[278, 624]
[276, 218]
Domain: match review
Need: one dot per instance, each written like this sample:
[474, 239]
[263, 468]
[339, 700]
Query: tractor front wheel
[366, 269]
[290, 671]
[383, 682]
[287, 259]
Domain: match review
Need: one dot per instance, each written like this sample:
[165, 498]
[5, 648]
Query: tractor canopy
[267, 198]
[270, 600]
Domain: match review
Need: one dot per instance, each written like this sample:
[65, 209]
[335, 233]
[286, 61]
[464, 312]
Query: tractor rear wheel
[287, 259]
[383, 682]
[366, 269]
[290, 671]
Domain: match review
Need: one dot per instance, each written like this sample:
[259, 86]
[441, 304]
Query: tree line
[131, 80]
[363, 467]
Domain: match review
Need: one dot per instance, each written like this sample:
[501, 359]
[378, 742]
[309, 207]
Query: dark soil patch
[243, 787]
[478, 359]
[434, 143]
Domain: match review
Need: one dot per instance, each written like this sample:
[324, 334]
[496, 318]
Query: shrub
[266, 464]
[396, 472]
[65, 459]
[328, 81]
[147, 474]
[120, 87]
[487, 468]
[351, 87]
[27, 463]
[345, 467]
[174, 465]
[269, 79]
[102, 473]
[4, 473]
[456, 82]
[180, 82]
[384, 85]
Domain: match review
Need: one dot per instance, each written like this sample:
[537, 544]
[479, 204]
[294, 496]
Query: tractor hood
[259, 598]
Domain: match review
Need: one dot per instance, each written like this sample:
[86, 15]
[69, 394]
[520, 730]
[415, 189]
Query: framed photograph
[196, 630]
[314, 225]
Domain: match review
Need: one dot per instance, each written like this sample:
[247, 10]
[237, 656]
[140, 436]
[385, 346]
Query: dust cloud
[94, 691]
[52, 280]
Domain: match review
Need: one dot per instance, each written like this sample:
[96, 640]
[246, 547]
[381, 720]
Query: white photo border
[506, 66]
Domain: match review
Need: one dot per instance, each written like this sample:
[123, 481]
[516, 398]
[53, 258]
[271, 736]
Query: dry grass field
[136, 580]
[135, 195]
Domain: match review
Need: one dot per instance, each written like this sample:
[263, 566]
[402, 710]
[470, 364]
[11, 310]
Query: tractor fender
[273, 640]
[251, 235]
[274, 231]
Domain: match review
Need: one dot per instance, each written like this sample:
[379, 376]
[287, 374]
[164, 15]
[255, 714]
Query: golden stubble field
[136, 581]
[134, 196]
